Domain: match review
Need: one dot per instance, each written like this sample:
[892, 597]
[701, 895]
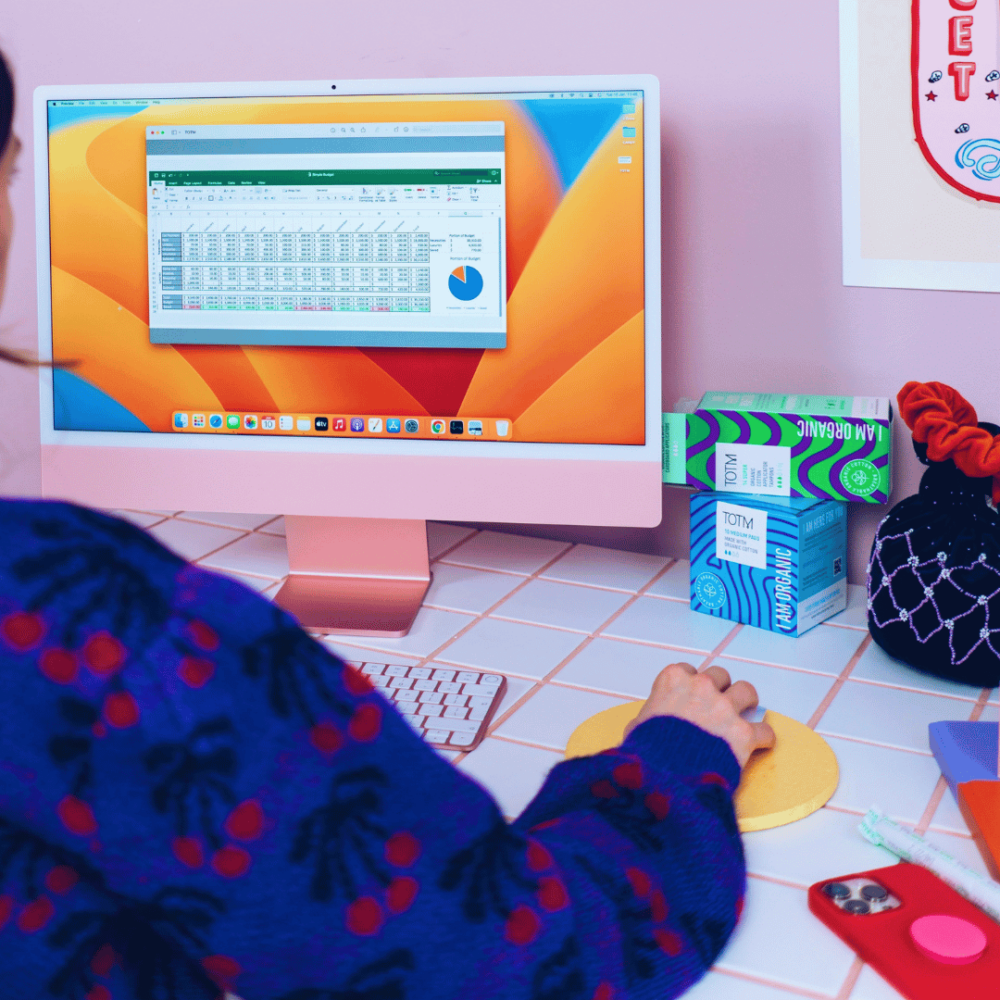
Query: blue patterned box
[778, 563]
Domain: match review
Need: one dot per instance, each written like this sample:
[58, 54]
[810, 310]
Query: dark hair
[6, 104]
[6, 130]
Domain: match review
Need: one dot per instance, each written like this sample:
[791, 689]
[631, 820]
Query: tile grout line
[588, 639]
[872, 743]
[726, 640]
[851, 980]
[839, 683]
[793, 991]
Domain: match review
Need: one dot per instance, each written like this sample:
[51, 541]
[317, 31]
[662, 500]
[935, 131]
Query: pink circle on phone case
[951, 940]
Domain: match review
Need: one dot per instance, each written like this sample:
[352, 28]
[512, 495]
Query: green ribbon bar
[323, 178]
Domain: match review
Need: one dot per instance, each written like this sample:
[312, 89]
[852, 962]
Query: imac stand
[355, 575]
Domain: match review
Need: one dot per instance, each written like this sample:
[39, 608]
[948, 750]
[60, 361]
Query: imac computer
[363, 305]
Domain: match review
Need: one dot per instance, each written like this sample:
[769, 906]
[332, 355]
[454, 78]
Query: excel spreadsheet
[363, 234]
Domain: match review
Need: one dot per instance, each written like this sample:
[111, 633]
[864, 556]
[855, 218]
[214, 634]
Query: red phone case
[883, 939]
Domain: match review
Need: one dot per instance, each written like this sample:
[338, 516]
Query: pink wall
[751, 192]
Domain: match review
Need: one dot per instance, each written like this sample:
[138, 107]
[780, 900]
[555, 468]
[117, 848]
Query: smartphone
[915, 931]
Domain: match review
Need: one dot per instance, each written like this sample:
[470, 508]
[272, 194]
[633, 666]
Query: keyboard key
[479, 702]
[424, 685]
[373, 668]
[475, 689]
[415, 721]
[421, 673]
[449, 687]
[407, 707]
[395, 670]
[431, 697]
[462, 739]
[401, 683]
[433, 711]
[467, 677]
[455, 699]
[477, 714]
[463, 726]
[458, 713]
[380, 680]
[443, 675]
[400, 695]
[491, 680]
[437, 735]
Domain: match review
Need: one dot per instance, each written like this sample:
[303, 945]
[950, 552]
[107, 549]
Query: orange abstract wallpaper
[572, 370]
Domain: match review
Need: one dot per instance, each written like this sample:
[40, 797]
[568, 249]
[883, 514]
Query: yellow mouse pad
[778, 786]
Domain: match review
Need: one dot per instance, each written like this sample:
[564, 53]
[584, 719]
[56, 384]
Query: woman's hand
[712, 702]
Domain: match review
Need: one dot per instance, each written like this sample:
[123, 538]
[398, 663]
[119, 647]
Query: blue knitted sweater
[197, 797]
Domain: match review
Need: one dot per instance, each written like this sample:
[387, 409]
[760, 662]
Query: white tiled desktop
[577, 629]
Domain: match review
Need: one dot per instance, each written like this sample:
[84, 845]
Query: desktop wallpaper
[573, 368]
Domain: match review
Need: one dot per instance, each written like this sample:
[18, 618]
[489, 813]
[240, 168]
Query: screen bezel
[650, 451]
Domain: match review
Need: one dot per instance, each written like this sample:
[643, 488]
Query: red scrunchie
[946, 422]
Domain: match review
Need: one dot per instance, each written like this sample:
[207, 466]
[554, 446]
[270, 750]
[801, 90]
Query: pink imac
[362, 304]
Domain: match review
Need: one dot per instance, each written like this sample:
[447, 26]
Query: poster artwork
[956, 92]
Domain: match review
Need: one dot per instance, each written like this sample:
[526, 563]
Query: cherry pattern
[326, 737]
[401, 893]
[35, 915]
[22, 631]
[103, 654]
[59, 665]
[196, 671]
[188, 851]
[120, 710]
[364, 916]
[231, 861]
[246, 821]
[6, 909]
[522, 926]
[76, 816]
[61, 880]
[402, 849]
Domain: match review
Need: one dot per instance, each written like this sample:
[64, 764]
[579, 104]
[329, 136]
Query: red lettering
[960, 36]
[963, 4]
[961, 71]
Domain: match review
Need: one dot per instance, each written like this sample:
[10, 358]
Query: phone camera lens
[836, 890]
[856, 906]
[875, 893]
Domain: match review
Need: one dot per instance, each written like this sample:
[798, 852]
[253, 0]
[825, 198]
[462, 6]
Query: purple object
[965, 751]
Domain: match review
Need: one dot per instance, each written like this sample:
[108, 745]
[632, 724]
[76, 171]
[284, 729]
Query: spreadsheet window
[362, 234]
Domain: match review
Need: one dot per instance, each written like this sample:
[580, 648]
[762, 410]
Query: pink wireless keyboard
[451, 709]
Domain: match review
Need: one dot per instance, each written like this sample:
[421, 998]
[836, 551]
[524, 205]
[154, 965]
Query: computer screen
[429, 268]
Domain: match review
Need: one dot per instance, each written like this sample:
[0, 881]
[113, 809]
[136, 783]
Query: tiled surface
[535, 610]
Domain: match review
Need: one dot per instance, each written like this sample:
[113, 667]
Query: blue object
[79, 406]
[465, 283]
[628, 133]
[965, 751]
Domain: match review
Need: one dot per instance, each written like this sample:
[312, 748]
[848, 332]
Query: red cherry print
[402, 892]
[547, 824]
[641, 884]
[99, 730]
[523, 925]
[59, 665]
[658, 906]
[120, 710]
[61, 879]
[188, 851]
[195, 672]
[711, 778]
[356, 682]
[203, 636]
[22, 631]
[739, 908]
[35, 915]
[668, 941]
[76, 816]
[231, 861]
[326, 738]
[552, 895]
[103, 962]
[658, 804]
[402, 849]
[628, 775]
[103, 654]
[538, 857]
[366, 723]
[6, 909]
[365, 917]
[246, 821]
[603, 789]
[604, 992]
[98, 992]
[222, 968]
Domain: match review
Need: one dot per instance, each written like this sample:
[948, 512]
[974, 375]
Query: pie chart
[465, 283]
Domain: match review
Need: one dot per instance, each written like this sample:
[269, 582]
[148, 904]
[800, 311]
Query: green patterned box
[835, 447]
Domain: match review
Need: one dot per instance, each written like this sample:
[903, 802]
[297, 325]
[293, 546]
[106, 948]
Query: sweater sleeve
[195, 796]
